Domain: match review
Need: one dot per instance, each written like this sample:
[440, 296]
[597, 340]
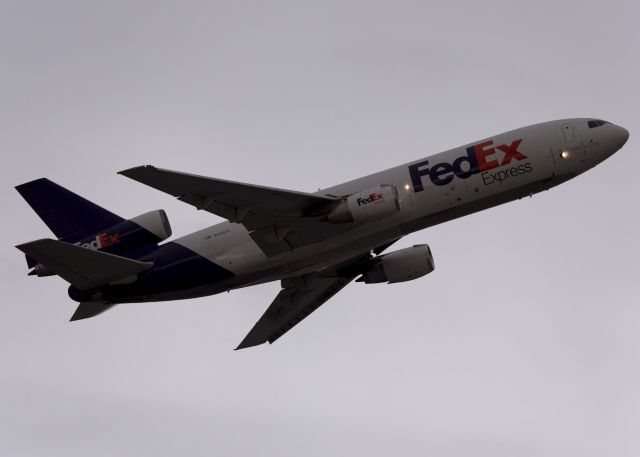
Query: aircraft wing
[279, 220]
[292, 305]
[302, 295]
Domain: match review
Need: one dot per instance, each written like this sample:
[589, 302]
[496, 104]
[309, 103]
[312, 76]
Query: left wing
[279, 220]
[302, 295]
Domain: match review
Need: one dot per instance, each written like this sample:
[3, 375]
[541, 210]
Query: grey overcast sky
[525, 341]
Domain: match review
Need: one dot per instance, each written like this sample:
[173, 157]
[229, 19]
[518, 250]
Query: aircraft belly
[424, 202]
[315, 244]
[175, 270]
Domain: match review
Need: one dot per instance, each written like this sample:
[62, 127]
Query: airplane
[313, 243]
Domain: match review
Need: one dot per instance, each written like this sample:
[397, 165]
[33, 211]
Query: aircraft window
[596, 123]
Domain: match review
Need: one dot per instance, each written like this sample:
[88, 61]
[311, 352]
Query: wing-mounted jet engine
[369, 205]
[399, 266]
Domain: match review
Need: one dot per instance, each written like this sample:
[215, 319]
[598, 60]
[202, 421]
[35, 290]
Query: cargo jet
[313, 243]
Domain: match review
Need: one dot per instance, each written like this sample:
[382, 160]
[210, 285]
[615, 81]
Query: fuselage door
[569, 134]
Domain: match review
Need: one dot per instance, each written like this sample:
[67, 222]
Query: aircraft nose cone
[622, 135]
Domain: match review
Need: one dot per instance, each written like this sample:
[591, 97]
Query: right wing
[302, 295]
[292, 305]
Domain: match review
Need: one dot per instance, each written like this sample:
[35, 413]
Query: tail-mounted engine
[398, 266]
[148, 229]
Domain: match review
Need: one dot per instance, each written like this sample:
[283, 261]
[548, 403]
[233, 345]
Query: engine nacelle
[402, 265]
[147, 229]
[369, 205]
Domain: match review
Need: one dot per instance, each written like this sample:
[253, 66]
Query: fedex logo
[372, 198]
[101, 241]
[479, 158]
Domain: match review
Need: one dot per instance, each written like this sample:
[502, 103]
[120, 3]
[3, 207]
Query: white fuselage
[431, 190]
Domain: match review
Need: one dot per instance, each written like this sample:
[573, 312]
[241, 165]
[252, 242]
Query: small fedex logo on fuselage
[479, 158]
[372, 198]
[101, 241]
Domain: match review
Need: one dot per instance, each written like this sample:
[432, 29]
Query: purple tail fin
[69, 216]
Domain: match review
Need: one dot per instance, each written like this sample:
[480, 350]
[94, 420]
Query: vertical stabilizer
[69, 216]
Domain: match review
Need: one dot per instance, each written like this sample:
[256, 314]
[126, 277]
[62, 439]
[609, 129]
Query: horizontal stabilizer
[89, 309]
[83, 267]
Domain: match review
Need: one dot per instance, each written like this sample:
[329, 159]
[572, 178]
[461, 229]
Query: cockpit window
[596, 123]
